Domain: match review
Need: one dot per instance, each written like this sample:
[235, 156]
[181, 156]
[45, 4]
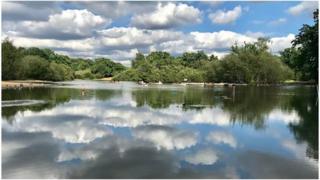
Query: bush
[233, 70]
[34, 67]
[191, 75]
[84, 74]
[128, 75]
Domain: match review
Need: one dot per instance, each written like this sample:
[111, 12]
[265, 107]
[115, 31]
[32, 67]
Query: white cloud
[217, 137]
[220, 39]
[78, 45]
[225, 17]
[167, 16]
[303, 7]
[77, 21]
[69, 24]
[134, 37]
[119, 54]
[278, 44]
[203, 156]
[166, 137]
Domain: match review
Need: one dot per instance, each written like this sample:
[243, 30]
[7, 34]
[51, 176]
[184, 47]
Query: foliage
[194, 59]
[106, 68]
[84, 74]
[231, 69]
[251, 63]
[129, 74]
[45, 64]
[34, 67]
[10, 60]
[303, 56]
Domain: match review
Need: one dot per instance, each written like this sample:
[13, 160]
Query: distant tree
[106, 68]
[139, 58]
[252, 63]
[292, 58]
[128, 75]
[213, 58]
[234, 70]
[35, 67]
[10, 60]
[193, 59]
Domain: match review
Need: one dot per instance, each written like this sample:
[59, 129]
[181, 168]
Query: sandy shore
[105, 79]
[25, 83]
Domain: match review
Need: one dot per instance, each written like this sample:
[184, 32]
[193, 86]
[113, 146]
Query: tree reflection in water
[152, 114]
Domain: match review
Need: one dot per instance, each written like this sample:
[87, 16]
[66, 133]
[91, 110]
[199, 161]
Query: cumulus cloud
[124, 37]
[76, 45]
[303, 7]
[218, 137]
[278, 44]
[118, 8]
[225, 17]
[202, 156]
[167, 16]
[166, 137]
[220, 39]
[69, 24]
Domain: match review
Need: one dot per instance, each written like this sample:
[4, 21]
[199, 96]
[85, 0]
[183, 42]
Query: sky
[118, 30]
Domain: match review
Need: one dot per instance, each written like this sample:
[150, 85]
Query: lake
[96, 129]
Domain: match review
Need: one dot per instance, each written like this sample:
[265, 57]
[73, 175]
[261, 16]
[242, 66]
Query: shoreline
[17, 84]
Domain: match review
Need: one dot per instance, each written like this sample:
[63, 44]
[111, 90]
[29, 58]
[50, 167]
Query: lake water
[123, 130]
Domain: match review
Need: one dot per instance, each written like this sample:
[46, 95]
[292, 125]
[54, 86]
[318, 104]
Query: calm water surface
[122, 130]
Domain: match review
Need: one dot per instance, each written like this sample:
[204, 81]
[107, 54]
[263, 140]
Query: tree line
[44, 64]
[250, 63]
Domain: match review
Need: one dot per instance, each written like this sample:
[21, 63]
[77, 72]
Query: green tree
[194, 59]
[103, 67]
[307, 43]
[292, 58]
[234, 70]
[10, 60]
[34, 67]
[138, 59]
[128, 75]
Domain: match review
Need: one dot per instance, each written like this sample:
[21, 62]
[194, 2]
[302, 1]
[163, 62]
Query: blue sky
[118, 30]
